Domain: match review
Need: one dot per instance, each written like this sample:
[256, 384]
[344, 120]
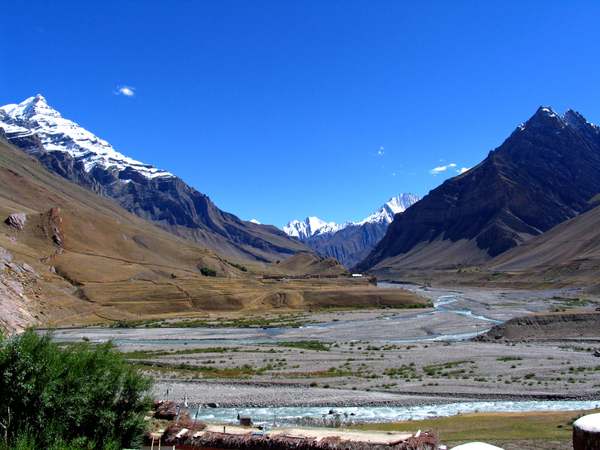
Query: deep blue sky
[278, 110]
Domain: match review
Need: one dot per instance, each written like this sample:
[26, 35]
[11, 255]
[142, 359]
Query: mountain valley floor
[373, 357]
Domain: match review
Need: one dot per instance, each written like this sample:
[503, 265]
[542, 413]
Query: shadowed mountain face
[352, 244]
[153, 194]
[542, 175]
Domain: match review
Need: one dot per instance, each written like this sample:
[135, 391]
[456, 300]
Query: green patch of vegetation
[488, 427]
[287, 321]
[145, 354]
[151, 323]
[237, 266]
[208, 272]
[207, 371]
[510, 358]
[75, 396]
[439, 368]
[404, 371]
[307, 345]
[574, 302]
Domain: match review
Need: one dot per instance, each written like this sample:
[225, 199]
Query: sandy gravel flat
[379, 357]
[320, 433]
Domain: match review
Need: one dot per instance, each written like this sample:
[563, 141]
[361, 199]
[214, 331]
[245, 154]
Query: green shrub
[208, 272]
[74, 396]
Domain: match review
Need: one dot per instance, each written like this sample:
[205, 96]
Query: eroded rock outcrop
[558, 325]
[16, 308]
[16, 220]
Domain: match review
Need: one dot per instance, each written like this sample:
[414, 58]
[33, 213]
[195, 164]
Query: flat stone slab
[476, 446]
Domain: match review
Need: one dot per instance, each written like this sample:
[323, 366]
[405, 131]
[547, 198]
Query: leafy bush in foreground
[76, 396]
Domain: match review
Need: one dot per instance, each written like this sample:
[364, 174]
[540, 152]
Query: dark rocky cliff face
[542, 175]
[172, 205]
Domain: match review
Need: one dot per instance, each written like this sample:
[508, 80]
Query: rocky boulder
[16, 221]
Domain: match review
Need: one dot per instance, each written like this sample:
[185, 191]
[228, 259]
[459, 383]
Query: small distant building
[357, 275]
[245, 421]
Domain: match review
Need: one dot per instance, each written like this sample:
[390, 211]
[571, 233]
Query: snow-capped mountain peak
[394, 206]
[31, 107]
[313, 226]
[35, 116]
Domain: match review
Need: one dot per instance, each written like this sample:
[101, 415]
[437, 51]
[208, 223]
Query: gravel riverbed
[368, 358]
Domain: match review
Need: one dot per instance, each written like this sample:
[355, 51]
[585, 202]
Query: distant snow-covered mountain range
[349, 242]
[313, 226]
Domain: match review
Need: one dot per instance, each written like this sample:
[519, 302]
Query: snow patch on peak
[31, 107]
[394, 206]
[548, 111]
[576, 120]
[61, 135]
[313, 226]
[255, 221]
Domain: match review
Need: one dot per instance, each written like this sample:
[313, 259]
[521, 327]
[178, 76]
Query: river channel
[295, 415]
[445, 322]
[455, 317]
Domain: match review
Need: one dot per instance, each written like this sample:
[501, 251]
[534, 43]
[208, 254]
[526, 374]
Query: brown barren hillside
[78, 258]
[566, 255]
[307, 264]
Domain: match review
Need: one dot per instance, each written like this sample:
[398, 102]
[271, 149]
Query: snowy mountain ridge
[313, 226]
[393, 206]
[65, 148]
[34, 116]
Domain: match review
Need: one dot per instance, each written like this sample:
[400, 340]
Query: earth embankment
[579, 324]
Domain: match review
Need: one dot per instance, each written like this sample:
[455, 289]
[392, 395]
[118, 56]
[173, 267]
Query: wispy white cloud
[464, 169]
[126, 91]
[441, 169]
[381, 152]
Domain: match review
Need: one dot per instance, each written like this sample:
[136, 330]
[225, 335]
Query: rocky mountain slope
[542, 175]
[69, 256]
[568, 253]
[66, 148]
[350, 242]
